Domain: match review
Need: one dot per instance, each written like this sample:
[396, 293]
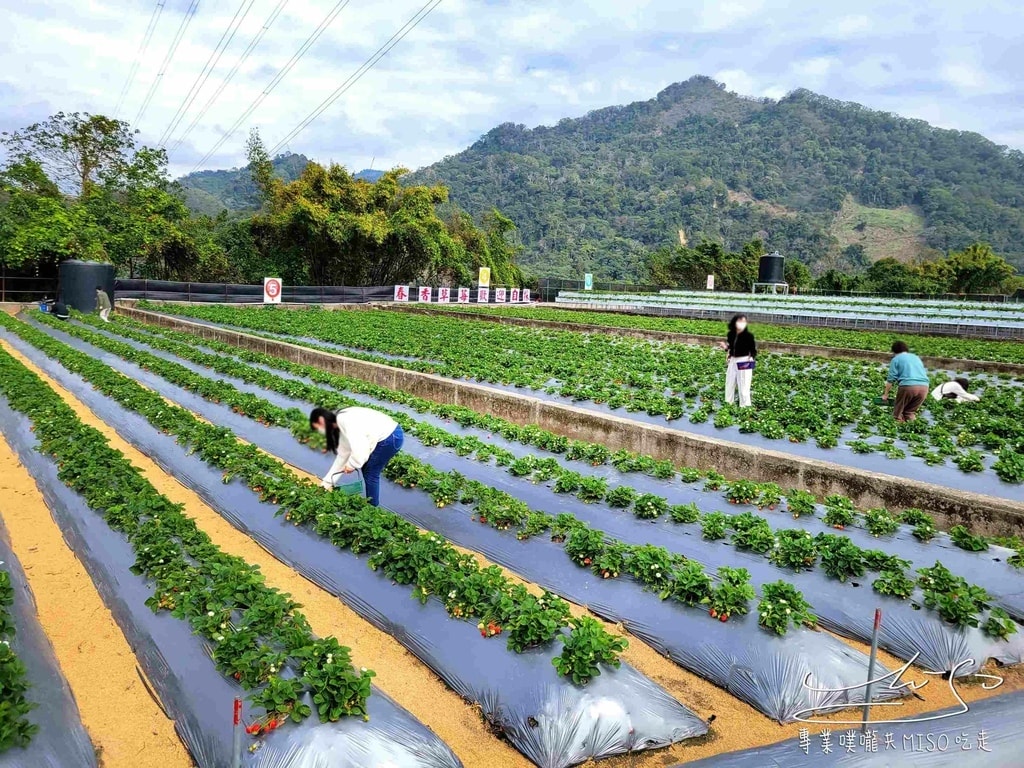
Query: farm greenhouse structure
[889, 308]
[742, 601]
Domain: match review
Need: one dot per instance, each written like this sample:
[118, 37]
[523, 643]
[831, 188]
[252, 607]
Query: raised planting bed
[812, 405]
[39, 721]
[939, 645]
[204, 627]
[549, 717]
[867, 489]
[710, 333]
[841, 340]
[986, 735]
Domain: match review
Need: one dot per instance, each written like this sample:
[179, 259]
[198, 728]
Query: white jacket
[360, 431]
[952, 388]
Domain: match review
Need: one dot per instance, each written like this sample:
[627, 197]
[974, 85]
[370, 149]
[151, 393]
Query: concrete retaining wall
[982, 514]
[810, 350]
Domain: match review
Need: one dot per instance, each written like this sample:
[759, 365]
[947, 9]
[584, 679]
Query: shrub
[782, 605]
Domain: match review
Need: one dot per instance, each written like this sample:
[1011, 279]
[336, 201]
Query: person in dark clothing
[60, 310]
[741, 353]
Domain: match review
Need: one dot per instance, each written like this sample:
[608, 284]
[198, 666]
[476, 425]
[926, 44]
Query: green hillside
[210, 192]
[809, 175]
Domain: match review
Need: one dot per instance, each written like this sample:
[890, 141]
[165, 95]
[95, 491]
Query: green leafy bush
[782, 605]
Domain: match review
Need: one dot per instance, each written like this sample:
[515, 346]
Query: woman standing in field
[360, 438]
[741, 354]
[909, 375]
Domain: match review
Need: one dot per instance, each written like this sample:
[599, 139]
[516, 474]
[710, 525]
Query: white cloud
[473, 64]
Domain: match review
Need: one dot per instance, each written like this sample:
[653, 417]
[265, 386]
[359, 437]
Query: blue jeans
[385, 451]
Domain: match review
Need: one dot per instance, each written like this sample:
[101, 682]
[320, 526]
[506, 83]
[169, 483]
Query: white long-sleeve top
[952, 388]
[360, 431]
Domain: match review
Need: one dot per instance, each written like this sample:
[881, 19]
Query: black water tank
[78, 281]
[772, 269]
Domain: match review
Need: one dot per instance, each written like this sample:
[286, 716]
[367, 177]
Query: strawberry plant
[691, 585]
[684, 513]
[782, 605]
[970, 461]
[713, 525]
[522, 466]
[535, 524]
[648, 506]
[447, 490]
[937, 579]
[530, 621]
[689, 475]
[752, 532]
[621, 497]
[568, 482]
[546, 470]
[800, 503]
[611, 562]
[584, 545]
[999, 624]
[880, 522]
[966, 540]
[732, 595]
[795, 548]
[742, 492]
[1009, 466]
[592, 489]
[769, 495]
[663, 470]
[586, 647]
[840, 558]
[895, 583]
[839, 511]
[15, 729]
[563, 525]
[925, 530]
[652, 566]
[713, 481]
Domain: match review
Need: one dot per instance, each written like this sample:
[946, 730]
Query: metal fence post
[866, 715]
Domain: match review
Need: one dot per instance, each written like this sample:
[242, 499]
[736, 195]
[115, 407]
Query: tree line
[976, 269]
[78, 186]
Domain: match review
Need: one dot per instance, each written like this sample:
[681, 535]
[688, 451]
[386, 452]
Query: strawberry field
[589, 603]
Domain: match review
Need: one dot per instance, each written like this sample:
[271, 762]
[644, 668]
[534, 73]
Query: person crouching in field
[361, 439]
[908, 373]
[103, 304]
[955, 390]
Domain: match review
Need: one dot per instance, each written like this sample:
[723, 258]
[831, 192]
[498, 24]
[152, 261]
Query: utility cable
[185, 21]
[296, 57]
[234, 71]
[146, 37]
[367, 65]
[200, 81]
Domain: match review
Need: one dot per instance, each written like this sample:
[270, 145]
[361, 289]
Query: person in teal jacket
[909, 375]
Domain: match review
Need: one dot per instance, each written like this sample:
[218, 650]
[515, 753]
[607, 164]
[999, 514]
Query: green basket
[354, 488]
[880, 401]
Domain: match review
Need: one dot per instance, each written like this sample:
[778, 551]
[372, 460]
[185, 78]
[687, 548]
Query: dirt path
[737, 725]
[126, 726]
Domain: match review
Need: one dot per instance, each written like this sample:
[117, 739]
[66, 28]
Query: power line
[200, 81]
[331, 16]
[185, 21]
[146, 37]
[367, 65]
[234, 70]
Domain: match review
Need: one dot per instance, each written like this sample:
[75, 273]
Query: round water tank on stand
[772, 269]
[78, 282]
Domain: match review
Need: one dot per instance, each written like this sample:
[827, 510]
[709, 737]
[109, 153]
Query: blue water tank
[78, 282]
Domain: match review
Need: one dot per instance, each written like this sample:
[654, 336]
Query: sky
[471, 65]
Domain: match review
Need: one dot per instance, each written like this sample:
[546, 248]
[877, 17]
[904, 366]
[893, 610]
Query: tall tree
[73, 150]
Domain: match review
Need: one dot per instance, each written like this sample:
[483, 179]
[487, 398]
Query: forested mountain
[830, 183]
